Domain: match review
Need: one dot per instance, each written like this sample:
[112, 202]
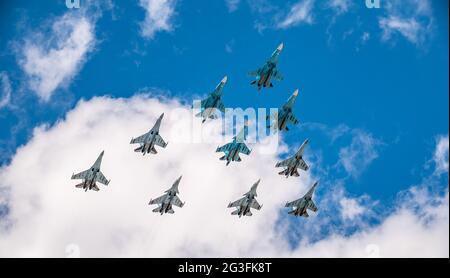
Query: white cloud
[441, 155]
[350, 208]
[158, 16]
[5, 85]
[339, 6]
[413, 20]
[48, 215]
[232, 5]
[301, 12]
[51, 59]
[362, 150]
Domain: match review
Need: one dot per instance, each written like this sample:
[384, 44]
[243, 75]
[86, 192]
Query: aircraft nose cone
[296, 92]
[280, 47]
[224, 80]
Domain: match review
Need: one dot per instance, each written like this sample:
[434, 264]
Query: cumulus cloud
[413, 20]
[357, 156]
[48, 216]
[301, 12]
[51, 59]
[158, 16]
[48, 213]
[6, 90]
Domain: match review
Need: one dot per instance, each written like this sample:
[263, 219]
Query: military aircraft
[265, 74]
[301, 205]
[150, 139]
[247, 202]
[166, 201]
[91, 176]
[235, 147]
[285, 114]
[212, 103]
[294, 162]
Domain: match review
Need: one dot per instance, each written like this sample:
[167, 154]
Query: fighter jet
[150, 139]
[91, 176]
[235, 147]
[166, 201]
[212, 103]
[285, 114]
[294, 162]
[301, 205]
[265, 74]
[247, 202]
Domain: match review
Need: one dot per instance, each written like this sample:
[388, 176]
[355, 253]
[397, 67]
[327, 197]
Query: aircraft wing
[302, 165]
[256, 205]
[293, 119]
[81, 175]
[244, 149]
[225, 148]
[177, 202]
[237, 203]
[159, 141]
[284, 163]
[278, 76]
[254, 73]
[312, 206]
[140, 139]
[295, 203]
[101, 178]
[158, 200]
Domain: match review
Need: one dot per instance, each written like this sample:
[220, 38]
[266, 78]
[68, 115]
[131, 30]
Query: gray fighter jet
[166, 201]
[300, 206]
[235, 147]
[294, 162]
[150, 139]
[247, 202]
[212, 103]
[285, 114]
[91, 176]
[265, 74]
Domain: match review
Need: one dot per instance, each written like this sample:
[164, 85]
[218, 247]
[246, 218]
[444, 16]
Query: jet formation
[208, 110]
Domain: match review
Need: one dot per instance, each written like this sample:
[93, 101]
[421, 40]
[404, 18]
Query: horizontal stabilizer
[139, 149]
[284, 172]
[153, 150]
[249, 213]
[296, 174]
[235, 212]
[222, 158]
[171, 211]
[253, 82]
[291, 212]
[156, 209]
[80, 185]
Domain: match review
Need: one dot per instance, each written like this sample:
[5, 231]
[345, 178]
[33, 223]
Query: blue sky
[373, 82]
